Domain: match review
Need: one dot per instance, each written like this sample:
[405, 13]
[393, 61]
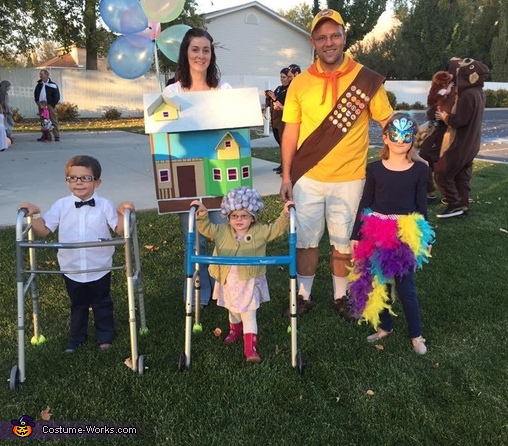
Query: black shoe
[344, 307]
[452, 210]
[278, 171]
[303, 306]
[279, 167]
[41, 139]
[431, 199]
[57, 139]
[71, 348]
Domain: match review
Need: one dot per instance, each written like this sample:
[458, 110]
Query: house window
[217, 174]
[252, 19]
[245, 172]
[232, 174]
[165, 114]
[227, 144]
[163, 175]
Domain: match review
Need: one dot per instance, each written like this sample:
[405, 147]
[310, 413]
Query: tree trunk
[90, 22]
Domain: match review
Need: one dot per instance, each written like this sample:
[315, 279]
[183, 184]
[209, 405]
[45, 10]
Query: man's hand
[286, 191]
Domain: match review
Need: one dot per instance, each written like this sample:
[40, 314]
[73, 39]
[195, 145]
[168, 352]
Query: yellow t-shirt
[347, 160]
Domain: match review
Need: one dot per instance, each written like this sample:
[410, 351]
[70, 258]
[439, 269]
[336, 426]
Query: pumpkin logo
[23, 426]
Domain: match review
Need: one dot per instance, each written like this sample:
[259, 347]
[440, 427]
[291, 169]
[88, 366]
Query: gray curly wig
[242, 198]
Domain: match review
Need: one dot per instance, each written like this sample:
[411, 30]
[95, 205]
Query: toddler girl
[241, 289]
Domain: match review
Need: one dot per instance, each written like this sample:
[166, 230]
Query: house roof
[63, 61]
[271, 12]
[207, 110]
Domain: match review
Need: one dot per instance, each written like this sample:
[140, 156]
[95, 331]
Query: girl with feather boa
[391, 237]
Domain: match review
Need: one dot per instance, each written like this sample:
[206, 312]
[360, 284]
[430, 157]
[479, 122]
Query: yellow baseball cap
[324, 15]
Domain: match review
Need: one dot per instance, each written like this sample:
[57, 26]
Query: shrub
[112, 114]
[403, 106]
[392, 99]
[491, 101]
[502, 98]
[16, 115]
[67, 111]
[418, 106]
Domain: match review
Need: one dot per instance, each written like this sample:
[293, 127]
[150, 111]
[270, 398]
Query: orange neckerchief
[332, 78]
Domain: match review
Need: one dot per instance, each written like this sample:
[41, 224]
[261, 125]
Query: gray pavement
[34, 171]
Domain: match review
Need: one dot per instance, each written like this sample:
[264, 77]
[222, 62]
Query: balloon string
[157, 68]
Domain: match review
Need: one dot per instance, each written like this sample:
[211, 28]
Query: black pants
[96, 295]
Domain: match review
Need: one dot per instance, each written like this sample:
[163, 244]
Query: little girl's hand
[201, 208]
[287, 204]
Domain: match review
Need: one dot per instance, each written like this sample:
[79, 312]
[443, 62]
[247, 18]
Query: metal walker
[25, 239]
[193, 260]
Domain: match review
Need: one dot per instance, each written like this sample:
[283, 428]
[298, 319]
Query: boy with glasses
[84, 216]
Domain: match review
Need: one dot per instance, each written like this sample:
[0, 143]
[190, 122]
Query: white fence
[94, 92]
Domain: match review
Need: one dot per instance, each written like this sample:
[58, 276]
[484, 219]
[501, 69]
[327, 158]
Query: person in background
[441, 97]
[454, 169]
[275, 100]
[391, 236]
[4, 140]
[84, 216]
[197, 70]
[46, 125]
[5, 86]
[324, 153]
[241, 289]
[47, 91]
[295, 69]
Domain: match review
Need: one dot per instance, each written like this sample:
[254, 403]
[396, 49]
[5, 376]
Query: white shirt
[175, 88]
[86, 224]
[42, 94]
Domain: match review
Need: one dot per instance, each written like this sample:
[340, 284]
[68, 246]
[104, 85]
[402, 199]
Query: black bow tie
[90, 202]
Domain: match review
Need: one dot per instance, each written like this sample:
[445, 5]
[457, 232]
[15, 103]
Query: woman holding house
[197, 70]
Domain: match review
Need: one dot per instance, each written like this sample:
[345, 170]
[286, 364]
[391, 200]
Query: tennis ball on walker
[143, 331]
[38, 341]
[197, 328]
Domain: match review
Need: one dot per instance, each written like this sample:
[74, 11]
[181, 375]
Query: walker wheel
[14, 379]
[182, 362]
[300, 363]
[141, 365]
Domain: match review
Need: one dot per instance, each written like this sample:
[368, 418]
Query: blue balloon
[170, 39]
[131, 56]
[123, 16]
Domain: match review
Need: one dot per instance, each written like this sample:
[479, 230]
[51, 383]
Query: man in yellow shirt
[324, 152]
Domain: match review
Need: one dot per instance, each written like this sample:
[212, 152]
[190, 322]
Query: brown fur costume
[453, 171]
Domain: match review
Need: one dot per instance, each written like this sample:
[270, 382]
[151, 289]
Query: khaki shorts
[317, 202]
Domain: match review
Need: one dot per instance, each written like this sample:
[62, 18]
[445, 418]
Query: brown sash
[337, 123]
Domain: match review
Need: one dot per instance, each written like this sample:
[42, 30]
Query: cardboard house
[200, 144]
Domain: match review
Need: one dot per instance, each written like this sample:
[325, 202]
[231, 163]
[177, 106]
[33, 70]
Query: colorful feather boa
[389, 247]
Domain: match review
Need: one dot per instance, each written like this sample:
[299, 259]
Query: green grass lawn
[455, 395]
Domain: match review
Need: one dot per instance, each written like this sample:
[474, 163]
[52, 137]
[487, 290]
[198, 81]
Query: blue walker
[194, 259]
[25, 239]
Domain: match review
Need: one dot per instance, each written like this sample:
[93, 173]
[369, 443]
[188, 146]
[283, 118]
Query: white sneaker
[419, 345]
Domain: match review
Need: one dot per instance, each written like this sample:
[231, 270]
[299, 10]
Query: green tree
[300, 15]
[499, 50]
[360, 16]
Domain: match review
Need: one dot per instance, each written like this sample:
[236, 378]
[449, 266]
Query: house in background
[200, 144]
[74, 59]
[253, 40]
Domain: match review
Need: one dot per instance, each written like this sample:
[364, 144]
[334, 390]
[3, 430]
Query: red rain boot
[250, 348]
[235, 333]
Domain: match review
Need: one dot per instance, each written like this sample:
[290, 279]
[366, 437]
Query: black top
[393, 192]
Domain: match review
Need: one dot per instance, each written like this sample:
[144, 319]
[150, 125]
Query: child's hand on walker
[287, 204]
[201, 207]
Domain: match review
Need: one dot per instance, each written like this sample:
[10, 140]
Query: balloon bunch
[139, 21]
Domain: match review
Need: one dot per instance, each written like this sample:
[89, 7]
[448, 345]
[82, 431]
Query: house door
[186, 181]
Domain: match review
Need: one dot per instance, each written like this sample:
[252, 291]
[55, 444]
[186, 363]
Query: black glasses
[82, 178]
